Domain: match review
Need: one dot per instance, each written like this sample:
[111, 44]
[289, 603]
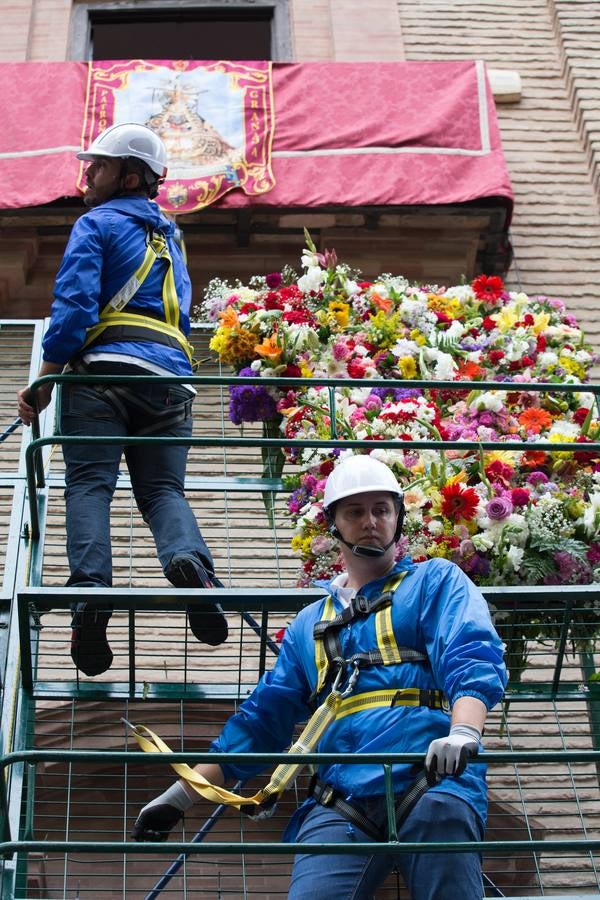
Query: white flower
[483, 541]
[312, 280]
[491, 400]
[309, 259]
[586, 400]
[565, 429]
[434, 527]
[547, 359]
[462, 292]
[515, 557]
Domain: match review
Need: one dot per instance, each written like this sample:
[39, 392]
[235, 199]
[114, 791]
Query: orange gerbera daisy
[469, 371]
[459, 502]
[269, 348]
[533, 459]
[535, 419]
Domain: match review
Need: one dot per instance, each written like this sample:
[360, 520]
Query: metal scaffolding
[74, 780]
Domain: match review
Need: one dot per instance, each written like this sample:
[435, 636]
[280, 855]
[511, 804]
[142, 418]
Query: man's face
[369, 519]
[103, 180]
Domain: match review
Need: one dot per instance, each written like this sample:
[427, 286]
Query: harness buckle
[361, 604]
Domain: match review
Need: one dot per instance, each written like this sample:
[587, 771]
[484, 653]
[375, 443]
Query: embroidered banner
[215, 118]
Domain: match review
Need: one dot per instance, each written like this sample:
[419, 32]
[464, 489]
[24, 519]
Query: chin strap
[365, 551]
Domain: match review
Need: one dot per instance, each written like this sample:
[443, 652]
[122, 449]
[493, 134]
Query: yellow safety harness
[116, 325]
[337, 704]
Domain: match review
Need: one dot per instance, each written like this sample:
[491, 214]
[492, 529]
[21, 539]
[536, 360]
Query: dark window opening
[182, 34]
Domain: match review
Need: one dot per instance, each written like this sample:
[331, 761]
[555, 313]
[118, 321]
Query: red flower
[273, 301]
[527, 361]
[248, 307]
[356, 368]
[499, 472]
[292, 371]
[541, 343]
[488, 324]
[488, 287]
[519, 496]
[580, 415]
[459, 502]
[495, 356]
[297, 317]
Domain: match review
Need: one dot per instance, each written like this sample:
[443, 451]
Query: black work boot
[207, 621]
[90, 650]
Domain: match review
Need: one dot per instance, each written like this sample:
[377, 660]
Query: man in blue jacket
[421, 664]
[121, 307]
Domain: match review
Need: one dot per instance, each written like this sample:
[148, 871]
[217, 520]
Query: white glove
[449, 755]
[158, 817]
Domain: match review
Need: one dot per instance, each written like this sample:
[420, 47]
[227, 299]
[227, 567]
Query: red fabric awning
[346, 134]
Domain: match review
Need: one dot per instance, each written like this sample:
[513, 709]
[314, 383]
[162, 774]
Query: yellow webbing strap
[386, 640]
[112, 313]
[281, 778]
[389, 697]
[321, 660]
[334, 707]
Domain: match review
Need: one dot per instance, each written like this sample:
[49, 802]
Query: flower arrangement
[506, 517]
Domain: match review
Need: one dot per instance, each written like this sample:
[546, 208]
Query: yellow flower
[506, 319]
[234, 345]
[540, 322]
[448, 305]
[340, 312]
[417, 337]
[558, 438]
[305, 369]
[408, 367]
[572, 366]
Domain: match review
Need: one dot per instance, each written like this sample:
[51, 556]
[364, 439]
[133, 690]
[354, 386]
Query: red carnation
[495, 356]
[541, 343]
[519, 496]
[356, 368]
[488, 324]
[580, 415]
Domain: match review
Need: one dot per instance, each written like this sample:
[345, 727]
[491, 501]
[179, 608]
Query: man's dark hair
[149, 183]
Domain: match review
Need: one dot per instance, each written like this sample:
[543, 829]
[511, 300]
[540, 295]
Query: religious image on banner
[216, 120]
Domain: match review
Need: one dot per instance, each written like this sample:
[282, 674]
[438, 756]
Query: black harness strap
[325, 795]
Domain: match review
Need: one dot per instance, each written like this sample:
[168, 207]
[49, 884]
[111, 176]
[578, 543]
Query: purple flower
[393, 395]
[570, 570]
[250, 402]
[538, 478]
[499, 508]
[273, 280]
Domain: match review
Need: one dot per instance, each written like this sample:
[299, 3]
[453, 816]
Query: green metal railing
[552, 691]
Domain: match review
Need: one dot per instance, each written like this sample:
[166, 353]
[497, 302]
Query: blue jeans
[157, 472]
[428, 876]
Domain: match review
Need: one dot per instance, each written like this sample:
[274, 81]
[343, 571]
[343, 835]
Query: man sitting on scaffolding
[398, 658]
[121, 307]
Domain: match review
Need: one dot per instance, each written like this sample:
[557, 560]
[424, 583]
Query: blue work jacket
[105, 248]
[437, 610]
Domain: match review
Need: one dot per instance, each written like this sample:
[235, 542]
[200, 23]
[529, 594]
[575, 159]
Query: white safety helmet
[357, 475]
[130, 139]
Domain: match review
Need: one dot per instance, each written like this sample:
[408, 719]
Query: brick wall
[547, 136]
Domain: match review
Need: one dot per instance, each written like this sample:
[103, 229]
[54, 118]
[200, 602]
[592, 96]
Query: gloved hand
[449, 755]
[158, 817]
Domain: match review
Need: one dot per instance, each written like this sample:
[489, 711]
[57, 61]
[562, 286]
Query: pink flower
[273, 280]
